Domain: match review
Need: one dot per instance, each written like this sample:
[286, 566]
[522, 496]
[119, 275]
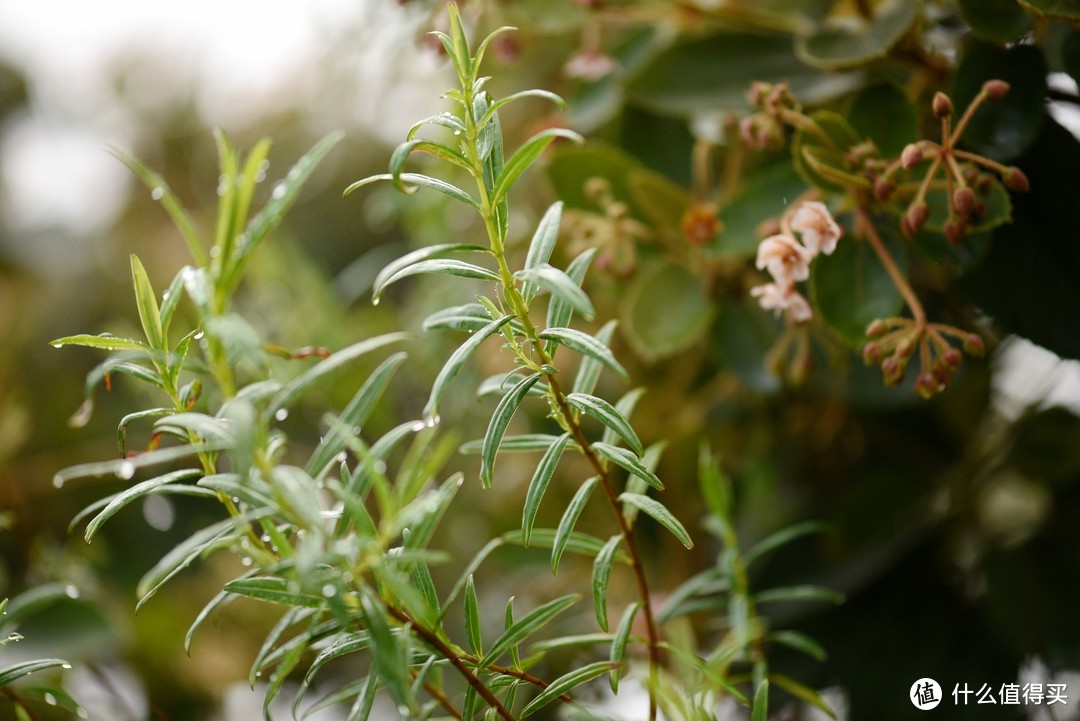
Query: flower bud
[916, 217]
[758, 92]
[905, 348]
[995, 90]
[973, 346]
[955, 229]
[964, 200]
[911, 156]
[952, 358]
[883, 188]
[700, 224]
[941, 105]
[1016, 180]
[876, 329]
[872, 353]
[983, 183]
[892, 371]
[926, 385]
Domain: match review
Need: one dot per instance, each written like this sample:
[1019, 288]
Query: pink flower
[590, 66]
[819, 231]
[783, 298]
[787, 260]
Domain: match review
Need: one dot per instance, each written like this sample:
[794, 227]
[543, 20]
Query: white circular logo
[925, 694]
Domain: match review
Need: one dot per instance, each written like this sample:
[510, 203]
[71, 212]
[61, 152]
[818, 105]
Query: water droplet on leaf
[71, 591]
[125, 470]
[329, 591]
[157, 193]
[279, 191]
[281, 414]
[58, 481]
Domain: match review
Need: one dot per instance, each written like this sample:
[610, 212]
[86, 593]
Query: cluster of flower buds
[895, 341]
[765, 128]
[612, 230]
[967, 177]
[788, 260]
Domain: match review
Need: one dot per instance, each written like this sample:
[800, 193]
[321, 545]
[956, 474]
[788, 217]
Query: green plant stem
[898, 279]
[432, 639]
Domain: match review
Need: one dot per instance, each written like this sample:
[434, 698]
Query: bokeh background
[953, 522]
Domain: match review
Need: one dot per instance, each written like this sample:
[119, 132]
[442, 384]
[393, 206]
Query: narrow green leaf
[565, 683]
[424, 181]
[502, 102]
[30, 602]
[469, 317]
[126, 467]
[527, 626]
[265, 657]
[472, 618]
[586, 345]
[343, 645]
[799, 594]
[539, 484]
[525, 155]
[600, 577]
[296, 387]
[455, 362]
[444, 120]
[474, 564]
[206, 427]
[799, 642]
[577, 542]
[802, 692]
[439, 266]
[365, 701]
[469, 703]
[136, 492]
[273, 590]
[255, 492]
[500, 383]
[628, 461]
[355, 414]
[402, 152]
[105, 341]
[760, 710]
[121, 428]
[577, 640]
[431, 251]
[560, 285]
[569, 519]
[588, 372]
[559, 312]
[508, 623]
[626, 405]
[385, 650]
[618, 644]
[170, 299]
[525, 443]
[542, 243]
[500, 419]
[17, 671]
[289, 661]
[607, 414]
[160, 190]
[660, 514]
[220, 599]
[781, 537]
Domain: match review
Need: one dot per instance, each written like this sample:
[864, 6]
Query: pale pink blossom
[590, 66]
[783, 298]
[819, 231]
[786, 259]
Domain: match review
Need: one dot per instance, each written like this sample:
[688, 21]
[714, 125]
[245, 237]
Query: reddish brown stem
[886, 259]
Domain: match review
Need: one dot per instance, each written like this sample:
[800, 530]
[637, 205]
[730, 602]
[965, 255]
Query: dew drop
[403, 711]
[82, 713]
[341, 457]
[246, 561]
[215, 252]
[13, 637]
[347, 577]
[457, 132]
[279, 191]
[241, 240]
[71, 591]
[65, 665]
[258, 674]
[281, 414]
[329, 591]
[58, 481]
[432, 421]
[417, 427]
[199, 335]
[157, 193]
[265, 538]
[126, 470]
[380, 466]
[374, 301]
[49, 698]
[57, 344]
[293, 587]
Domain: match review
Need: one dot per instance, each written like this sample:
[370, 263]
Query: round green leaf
[835, 47]
[664, 311]
[759, 198]
[1000, 20]
[1003, 130]
[851, 287]
[884, 114]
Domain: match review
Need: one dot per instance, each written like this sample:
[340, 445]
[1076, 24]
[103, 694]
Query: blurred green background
[953, 522]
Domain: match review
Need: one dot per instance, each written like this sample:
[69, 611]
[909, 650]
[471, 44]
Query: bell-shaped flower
[781, 299]
[818, 229]
[785, 258]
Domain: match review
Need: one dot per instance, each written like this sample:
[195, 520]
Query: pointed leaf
[105, 341]
[529, 151]
[624, 405]
[600, 577]
[500, 419]
[539, 484]
[472, 618]
[781, 537]
[803, 693]
[760, 710]
[440, 266]
[586, 345]
[560, 312]
[660, 514]
[618, 644]
[561, 286]
[501, 102]
[589, 371]
[569, 519]
[454, 364]
[402, 152]
[543, 242]
[799, 594]
[470, 317]
[565, 683]
[17, 671]
[424, 181]
[220, 599]
[799, 642]
[137, 491]
[628, 461]
[527, 626]
[608, 415]
[525, 443]
[431, 251]
[273, 590]
[385, 649]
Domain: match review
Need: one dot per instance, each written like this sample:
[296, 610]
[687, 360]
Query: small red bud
[964, 201]
[905, 348]
[911, 156]
[883, 188]
[892, 371]
[758, 92]
[700, 224]
[941, 105]
[952, 358]
[926, 385]
[916, 217]
[955, 229]
[871, 353]
[876, 329]
[995, 90]
[974, 346]
[1016, 180]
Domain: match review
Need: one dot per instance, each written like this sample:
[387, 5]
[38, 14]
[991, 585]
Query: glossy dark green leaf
[500, 419]
[526, 626]
[601, 576]
[1002, 130]
[561, 286]
[455, 362]
[851, 287]
[608, 415]
[565, 683]
[629, 462]
[660, 514]
[860, 41]
[659, 330]
[1001, 20]
[539, 483]
[884, 114]
[586, 345]
[569, 520]
[431, 251]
